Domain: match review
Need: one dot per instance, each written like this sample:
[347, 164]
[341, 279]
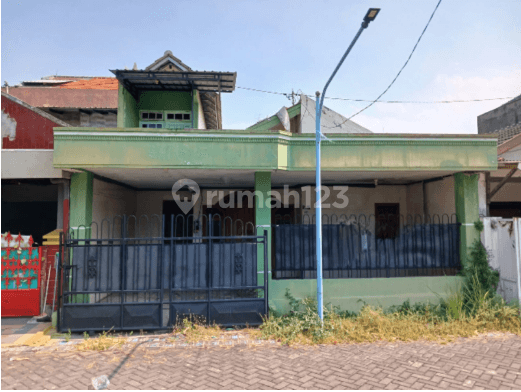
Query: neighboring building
[79, 101]
[500, 194]
[409, 220]
[300, 118]
[506, 115]
[34, 193]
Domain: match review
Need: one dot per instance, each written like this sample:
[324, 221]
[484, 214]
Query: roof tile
[93, 84]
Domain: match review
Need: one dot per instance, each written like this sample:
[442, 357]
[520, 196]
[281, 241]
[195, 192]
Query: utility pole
[369, 17]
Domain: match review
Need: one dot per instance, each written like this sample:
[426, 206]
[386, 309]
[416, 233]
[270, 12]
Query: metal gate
[21, 269]
[128, 275]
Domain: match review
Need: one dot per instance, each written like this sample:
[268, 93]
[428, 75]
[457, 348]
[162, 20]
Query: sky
[471, 50]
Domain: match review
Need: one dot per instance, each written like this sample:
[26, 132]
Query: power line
[264, 91]
[399, 72]
[289, 95]
[454, 101]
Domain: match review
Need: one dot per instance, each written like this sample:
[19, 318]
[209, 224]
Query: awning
[136, 81]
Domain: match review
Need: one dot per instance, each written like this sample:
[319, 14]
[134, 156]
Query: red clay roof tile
[93, 84]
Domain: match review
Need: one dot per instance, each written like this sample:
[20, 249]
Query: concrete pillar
[482, 192]
[81, 203]
[467, 210]
[263, 219]
[59, 218]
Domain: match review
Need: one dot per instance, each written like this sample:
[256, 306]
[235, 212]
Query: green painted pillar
[81, 203]
[263, 220]
[467, 210]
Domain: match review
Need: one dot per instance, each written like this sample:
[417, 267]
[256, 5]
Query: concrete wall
[501, 117]
[110, 200]
[415, 199]
[440, 197]
[511, 191]
[29, 164]
[331, 121]
[362, 200]
[347, 293]
[98, 120]
[201, 123]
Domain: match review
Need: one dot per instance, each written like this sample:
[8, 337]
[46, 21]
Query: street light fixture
[369, 17]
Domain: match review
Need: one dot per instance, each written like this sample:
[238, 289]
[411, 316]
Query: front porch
[426, 181]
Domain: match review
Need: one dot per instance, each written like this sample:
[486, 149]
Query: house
[77, 100]
[34, 193]
[500, 194]
[300, 118]
[171, 215]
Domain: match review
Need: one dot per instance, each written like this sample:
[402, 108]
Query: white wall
[329, 119]
[29, 164]
[200, 114]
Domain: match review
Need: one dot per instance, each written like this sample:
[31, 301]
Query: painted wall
[331, 121]
[32, 130]
[440, 197]
[362, 200]
[29, 164]
[165, 100]
[414, 199]
[128, 114]
[110, 200]
[346, 293]
[163, 148]
[201, 123]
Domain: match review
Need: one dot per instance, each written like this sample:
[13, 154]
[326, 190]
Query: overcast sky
[471, 50]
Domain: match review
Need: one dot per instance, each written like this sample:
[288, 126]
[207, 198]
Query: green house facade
[170, 129]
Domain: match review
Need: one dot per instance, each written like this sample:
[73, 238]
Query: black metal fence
[366, 246]
[129, 275]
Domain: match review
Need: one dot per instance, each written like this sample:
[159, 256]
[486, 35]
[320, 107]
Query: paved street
[492, 362]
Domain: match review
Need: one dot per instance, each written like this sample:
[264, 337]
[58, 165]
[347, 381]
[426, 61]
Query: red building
[33, 191]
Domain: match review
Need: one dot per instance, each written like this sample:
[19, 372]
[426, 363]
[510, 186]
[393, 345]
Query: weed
[103, 342]
[443, 322]
[68, 336]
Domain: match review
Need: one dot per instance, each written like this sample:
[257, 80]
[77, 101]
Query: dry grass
[103, 342]
[195, 332]
[373, 325]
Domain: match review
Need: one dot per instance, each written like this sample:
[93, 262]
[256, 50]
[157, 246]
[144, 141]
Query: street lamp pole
[369, 17]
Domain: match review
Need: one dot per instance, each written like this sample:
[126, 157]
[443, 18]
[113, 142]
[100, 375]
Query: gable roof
[168, 62]
[170, 73]
[36, 110]
[332, 122]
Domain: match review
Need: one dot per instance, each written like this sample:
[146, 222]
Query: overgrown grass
[442, 323]
[196, 330]
[104, 341]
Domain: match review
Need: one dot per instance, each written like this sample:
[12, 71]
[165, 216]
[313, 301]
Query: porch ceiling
[165, 178]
